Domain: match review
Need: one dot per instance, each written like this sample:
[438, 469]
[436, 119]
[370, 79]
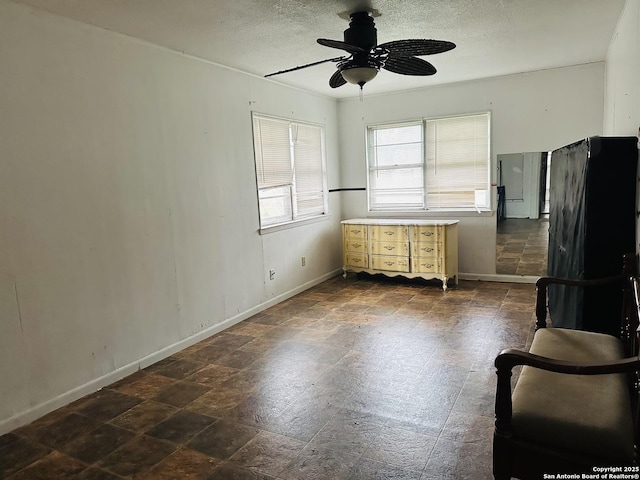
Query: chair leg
[501, 458]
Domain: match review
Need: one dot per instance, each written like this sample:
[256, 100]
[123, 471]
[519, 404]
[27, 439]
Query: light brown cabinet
[412, 248]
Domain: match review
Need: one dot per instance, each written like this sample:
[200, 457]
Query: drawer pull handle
[389, 247]
[388, 232]
[427, 265]
[389, 263]
[356, 260]
[356, 245]
[427, 249]
[356, 231]
[427, 234]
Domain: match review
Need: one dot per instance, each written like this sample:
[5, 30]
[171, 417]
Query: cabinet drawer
[425, 249]
[427, 233]
[389, 233]
[389, 263]
[355, 232]
[390, 248]
[359, 260]
[425, 265]
[356, 245]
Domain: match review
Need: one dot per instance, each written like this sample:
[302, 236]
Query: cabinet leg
[344, 273]
[444, 284]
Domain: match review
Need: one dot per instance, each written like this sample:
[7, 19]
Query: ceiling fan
[367, 57]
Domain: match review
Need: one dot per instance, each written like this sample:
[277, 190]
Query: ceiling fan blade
[409, 48]
[341, 45]
[409, 66]
[335, 59]
[337, 80]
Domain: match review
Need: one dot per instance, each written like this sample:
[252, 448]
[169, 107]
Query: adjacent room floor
[521, 246]
[360, 378]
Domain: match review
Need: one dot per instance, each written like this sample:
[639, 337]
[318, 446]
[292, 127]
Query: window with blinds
[289, 169]
[438, 163]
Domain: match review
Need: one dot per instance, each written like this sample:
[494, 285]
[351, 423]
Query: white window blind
[457, 161]
[432, 164]
[290, 174]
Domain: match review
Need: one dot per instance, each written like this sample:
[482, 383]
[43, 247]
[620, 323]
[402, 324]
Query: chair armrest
[543, 283]
[509, 358]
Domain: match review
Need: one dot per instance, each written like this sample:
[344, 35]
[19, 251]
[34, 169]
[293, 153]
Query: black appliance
[592, 224]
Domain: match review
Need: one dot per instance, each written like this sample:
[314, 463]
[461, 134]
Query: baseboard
[487, 277]
[42, 409]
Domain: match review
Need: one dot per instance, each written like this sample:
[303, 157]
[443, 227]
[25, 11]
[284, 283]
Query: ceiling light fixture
[359, 75]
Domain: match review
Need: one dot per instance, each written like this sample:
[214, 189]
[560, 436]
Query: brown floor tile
[137, 456]
[301, 421]
[55, 466]
[403, 448]
[143, 416]
[462, 427]
[456, 460]
[213, 375]
[268, 453]
[347, 437]
[94, 473]
[228, 342]
[222, 439]
[180, 369]
[321, 464]
[180, 427]
[216, 401]
[254, 411]
[109, 405]
[372, 470]
[270, 318]
[18, 454]
[65, 430]
[231, 471]
[146, 386]
[7, 439]
[238, 359]
[183, 464]
[98, 443]
[181, 394]
[250, 328]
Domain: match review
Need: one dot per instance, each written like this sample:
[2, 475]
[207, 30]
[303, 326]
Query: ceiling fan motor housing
[362, 31]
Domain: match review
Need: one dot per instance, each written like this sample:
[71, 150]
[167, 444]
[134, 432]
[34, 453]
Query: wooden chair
[574, 405]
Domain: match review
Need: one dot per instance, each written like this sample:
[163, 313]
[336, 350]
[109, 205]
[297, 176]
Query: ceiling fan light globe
[359, 75]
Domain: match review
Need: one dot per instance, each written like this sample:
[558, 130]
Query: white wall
[622, 90]
[530, 112]
[128, 211]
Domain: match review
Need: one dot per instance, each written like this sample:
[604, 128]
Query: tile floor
[360, 378]
[521, 246]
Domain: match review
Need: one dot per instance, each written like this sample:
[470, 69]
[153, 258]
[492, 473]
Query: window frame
[295, 218]
[488, 207]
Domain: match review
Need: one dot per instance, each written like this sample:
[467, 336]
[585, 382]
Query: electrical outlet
[304, 261]
[272, 274]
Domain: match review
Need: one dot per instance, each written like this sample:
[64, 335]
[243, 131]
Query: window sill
[432, 213]
[293, 224]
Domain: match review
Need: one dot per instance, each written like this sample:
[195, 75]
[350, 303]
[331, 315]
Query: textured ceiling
[493, 37]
